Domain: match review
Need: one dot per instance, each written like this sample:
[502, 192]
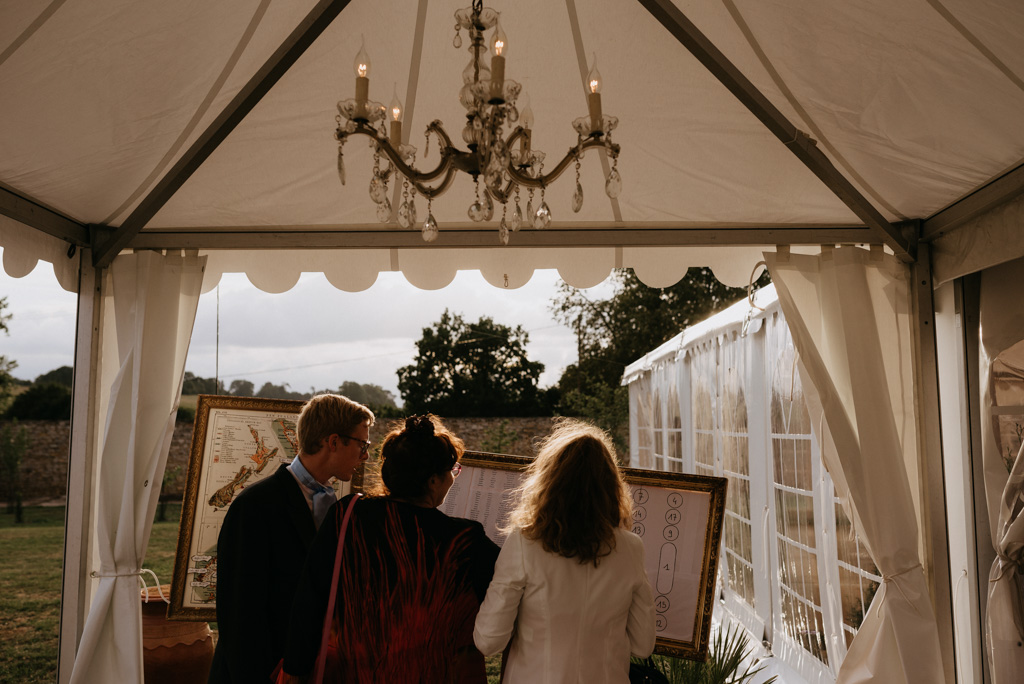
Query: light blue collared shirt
[319, 497]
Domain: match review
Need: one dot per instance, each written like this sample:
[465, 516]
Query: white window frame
[763, 619]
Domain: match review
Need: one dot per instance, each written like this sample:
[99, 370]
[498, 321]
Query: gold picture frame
[210, 487]
[661, 500]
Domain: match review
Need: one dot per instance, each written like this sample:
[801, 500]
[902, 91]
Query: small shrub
[13, 445]
[186, 415]
[42, 402]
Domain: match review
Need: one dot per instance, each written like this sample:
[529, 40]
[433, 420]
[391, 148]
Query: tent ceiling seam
[31, 29]
[415, 62]
[976, 42]
[293, 47]
[581, 59]
[204, 106]
[799, 143]
[819, 135]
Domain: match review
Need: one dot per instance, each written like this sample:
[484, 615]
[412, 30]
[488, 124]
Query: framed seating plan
[679, 517]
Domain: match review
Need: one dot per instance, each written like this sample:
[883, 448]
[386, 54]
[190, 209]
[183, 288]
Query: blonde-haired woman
[569, 587]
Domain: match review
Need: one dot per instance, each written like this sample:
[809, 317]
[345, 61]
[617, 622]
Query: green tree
[196, 385]
[478, 369]
[272, 391]
[380, 400]
[612, 333]
[58, 376]
[242, 388]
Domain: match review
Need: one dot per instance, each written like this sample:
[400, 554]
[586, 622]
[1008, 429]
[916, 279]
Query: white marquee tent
[146, 148]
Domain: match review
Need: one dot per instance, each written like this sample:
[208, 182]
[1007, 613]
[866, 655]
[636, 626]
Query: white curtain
[1002, 413]
[1005, 620]
[848, 312]
[152, 309]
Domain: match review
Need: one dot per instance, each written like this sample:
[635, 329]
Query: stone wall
[44, 470]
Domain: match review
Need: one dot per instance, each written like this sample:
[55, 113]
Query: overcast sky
[314, 335]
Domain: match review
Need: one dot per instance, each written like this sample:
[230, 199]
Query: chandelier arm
[544, 180]
[384, 145]
[437, 127]
[431, 193]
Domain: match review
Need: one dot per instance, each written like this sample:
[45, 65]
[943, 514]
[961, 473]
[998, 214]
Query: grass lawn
[30, 574]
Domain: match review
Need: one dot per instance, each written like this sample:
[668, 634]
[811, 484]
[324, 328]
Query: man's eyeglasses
[456, 469]
[364, 446]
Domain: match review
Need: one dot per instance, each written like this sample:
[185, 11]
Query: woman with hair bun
[570, 590]
[411, 578]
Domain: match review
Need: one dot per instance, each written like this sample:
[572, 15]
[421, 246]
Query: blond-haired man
[267, 532]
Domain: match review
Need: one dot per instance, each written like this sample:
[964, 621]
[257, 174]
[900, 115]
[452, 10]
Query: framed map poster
[236, 442]
[679, 517]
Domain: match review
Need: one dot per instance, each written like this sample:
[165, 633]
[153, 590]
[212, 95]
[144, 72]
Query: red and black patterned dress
[411, 583]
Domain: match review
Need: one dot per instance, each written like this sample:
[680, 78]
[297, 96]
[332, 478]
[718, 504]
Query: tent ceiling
[913, 106]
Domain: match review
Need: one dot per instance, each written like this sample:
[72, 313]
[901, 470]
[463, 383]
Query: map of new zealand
[242, 449]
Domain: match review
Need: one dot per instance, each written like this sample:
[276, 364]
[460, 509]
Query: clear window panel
[704, 384]
[675, 445]
[858, 577]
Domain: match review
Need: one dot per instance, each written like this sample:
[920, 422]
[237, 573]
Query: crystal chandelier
[502, 165]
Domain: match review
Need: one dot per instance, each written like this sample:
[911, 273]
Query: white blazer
[574, 622]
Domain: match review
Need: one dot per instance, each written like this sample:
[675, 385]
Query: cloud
[311, 336]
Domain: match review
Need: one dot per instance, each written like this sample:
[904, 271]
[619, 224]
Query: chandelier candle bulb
[594, 97]
[362, 68]
[499, 43]
[362, 89]
[396, 112]
[524, 141]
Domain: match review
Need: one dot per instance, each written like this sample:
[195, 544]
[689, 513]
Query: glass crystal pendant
[517, 219]
[476, 211]
[613, 186]
[488, 207]
[412, 213]
[341, 166]
[530, 213]
[503, 231]
[429, 229]
[384, 211]
[403, 215]
[493, 178]
[542, 219]
[577, 199]
[378, 189]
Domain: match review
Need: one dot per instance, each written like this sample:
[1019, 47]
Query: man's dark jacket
[263, 542]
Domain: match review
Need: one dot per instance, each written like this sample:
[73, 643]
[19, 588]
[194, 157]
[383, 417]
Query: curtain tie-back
[1005, 564]
[1008, 564]
[891, 579]
[136, 573]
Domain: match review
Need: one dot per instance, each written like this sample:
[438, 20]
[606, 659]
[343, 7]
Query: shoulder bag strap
[321, 659]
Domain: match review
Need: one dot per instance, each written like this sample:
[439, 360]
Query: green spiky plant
[728, 649]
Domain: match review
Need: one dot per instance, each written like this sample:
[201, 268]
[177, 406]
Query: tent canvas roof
[112, 114]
